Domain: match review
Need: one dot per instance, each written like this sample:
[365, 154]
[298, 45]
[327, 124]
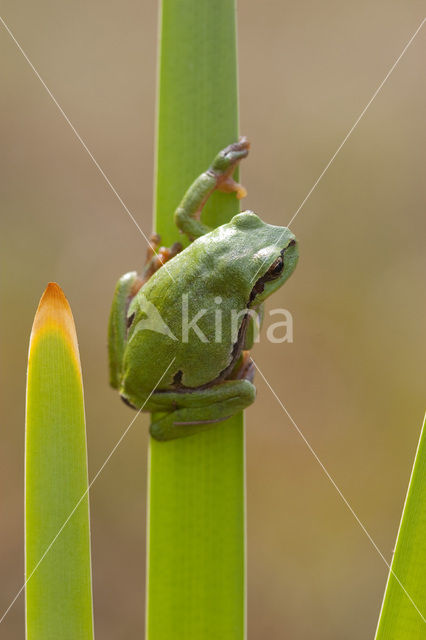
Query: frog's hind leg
[218, 176]
[199, 410]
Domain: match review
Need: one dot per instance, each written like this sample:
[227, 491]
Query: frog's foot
[230, 156]
[224, 165]
[244, 369]
[200, 410]
[230, 186]
[154, 243]
[157, 255]
[217, 176]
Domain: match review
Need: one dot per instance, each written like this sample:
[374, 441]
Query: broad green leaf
[403, 614]
[57, 534]
[196, 549]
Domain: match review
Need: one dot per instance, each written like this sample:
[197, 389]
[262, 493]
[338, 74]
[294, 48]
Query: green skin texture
[227, 263]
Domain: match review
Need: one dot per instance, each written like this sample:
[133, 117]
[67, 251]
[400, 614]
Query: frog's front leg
[126, 288]
[217, 176]
[198, 410]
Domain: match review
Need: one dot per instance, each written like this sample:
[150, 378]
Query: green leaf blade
[403, 610]
[58, 591]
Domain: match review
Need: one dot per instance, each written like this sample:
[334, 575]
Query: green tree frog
[179, 334]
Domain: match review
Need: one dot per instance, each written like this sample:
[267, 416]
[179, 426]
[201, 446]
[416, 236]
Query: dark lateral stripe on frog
[236, 351]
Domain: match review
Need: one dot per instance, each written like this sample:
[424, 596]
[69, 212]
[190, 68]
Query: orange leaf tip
[54, 314]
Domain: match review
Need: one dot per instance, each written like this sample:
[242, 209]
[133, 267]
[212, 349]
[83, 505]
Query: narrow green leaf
[403, 614]
[196, 549]
[58, 591]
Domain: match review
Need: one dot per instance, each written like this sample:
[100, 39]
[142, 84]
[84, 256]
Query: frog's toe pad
[230, 186]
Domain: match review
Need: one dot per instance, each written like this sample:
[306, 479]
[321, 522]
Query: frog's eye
[275, 269]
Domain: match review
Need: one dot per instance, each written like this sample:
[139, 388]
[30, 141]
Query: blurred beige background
[352, 379]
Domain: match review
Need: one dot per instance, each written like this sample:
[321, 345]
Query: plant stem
[196, 547]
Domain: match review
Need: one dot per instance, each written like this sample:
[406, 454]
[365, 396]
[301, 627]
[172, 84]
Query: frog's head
[269, 253]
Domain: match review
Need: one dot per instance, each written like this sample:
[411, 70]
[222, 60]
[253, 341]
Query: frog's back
[195, 305]
[182, 315]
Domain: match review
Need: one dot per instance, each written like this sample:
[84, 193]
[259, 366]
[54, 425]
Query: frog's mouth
[274, 272]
